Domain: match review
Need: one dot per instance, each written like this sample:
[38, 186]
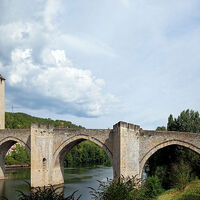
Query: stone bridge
[127, 145]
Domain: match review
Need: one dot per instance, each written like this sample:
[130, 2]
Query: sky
[99, 62]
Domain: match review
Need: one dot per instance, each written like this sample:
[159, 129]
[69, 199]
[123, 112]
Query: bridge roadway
[127, 145]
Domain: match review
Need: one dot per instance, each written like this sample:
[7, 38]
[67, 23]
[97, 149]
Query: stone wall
[2, 103]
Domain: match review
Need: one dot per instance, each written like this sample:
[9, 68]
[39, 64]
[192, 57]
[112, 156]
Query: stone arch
[165, 144]
[5, 145]
[10, 140]
[68, 144]
[60, 153]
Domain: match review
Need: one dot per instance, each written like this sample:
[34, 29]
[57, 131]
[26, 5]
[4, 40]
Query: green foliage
[23, 121]
[180, 175]
[118, 189]
[128, 189]
[19, 156]
[187, 121]
[86, 153]
[45, 193]
[162, 173]
[161, 128]
[190, 193]
[152, 187]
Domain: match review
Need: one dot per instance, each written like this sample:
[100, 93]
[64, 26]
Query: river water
[75, 179]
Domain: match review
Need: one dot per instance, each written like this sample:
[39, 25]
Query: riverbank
[191, 192]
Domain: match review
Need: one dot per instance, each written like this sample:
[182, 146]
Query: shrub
[180, 175]
[118, 189]
[45, 193]
[151, 187]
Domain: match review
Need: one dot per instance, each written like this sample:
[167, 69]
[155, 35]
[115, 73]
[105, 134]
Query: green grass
[191, 192]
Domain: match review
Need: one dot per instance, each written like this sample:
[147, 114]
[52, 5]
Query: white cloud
[51, 9]
[58, 81]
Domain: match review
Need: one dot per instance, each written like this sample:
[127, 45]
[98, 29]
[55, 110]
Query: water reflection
[75, 179]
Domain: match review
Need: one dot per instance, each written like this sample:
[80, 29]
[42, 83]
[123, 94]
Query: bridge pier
[2, 166]
[41, 156]
[126, 150]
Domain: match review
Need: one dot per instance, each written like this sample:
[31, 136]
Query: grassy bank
[191, 192]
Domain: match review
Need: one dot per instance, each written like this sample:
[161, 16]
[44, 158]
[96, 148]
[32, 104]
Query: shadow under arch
[60, 153]
[10, 140]
[5, 145]
[165, 144]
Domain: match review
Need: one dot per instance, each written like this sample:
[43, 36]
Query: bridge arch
[5, 144]
[68, 144]
[60, 154]
[11, 140]
[165, 144]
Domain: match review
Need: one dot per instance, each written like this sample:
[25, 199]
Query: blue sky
[99, 62]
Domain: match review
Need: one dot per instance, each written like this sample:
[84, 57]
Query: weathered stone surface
[2, 102]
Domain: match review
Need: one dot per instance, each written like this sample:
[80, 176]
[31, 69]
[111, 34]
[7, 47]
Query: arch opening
[169, 161]
[80, 152]
[11, 150]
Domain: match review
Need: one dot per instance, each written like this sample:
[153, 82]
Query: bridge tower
[2, 102]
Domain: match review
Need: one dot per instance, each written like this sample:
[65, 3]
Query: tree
[187, 121]
[161, 128]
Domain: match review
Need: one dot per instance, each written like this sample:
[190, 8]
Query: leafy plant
[151, 188]
[180, 175]
[118, 189]
[45, 193]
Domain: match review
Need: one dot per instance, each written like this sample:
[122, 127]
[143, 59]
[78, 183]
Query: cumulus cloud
[55, 82]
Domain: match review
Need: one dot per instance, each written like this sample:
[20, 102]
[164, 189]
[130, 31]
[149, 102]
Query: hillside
[23, 121]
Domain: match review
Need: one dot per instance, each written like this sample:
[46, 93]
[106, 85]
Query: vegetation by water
[86, 153]
[45, 193]
[128, 189]
[19, 156]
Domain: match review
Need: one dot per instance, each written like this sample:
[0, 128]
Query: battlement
[41, 129]
[126, 125]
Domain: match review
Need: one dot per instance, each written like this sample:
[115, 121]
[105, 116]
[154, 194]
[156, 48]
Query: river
[75, 179]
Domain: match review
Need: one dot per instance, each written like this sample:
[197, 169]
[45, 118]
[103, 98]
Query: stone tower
[2, 102]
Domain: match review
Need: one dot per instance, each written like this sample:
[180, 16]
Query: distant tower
[2, 102]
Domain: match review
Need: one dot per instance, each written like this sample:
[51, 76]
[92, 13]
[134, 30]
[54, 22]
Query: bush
[118, 189]
[180, 175]
[45, 193]
[152, 187]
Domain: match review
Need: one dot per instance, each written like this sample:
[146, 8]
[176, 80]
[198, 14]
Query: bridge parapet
[15, 132]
